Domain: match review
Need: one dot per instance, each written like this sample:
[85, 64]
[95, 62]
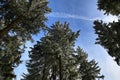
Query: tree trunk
[44, 70]
[54, 72]
[60, 68]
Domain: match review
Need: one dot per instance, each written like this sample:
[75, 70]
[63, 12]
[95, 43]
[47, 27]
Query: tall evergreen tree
[19, 19]
[54, 57]
[109, 33]
[88, 69]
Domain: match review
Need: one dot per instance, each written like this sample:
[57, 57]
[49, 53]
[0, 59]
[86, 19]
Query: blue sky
[80, 14]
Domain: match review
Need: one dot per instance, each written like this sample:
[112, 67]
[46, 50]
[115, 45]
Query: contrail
[66, 15]
[109, 18]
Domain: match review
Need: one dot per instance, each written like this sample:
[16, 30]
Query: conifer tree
[89, 69]
[109, 33]
[19, 19]
[54, 57]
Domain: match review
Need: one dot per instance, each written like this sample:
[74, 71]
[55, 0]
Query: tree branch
[8, 28]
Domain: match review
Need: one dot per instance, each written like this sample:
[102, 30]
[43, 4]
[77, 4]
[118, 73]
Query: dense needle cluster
[19, 19]
[109, 33]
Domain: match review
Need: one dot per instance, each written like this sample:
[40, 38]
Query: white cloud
[109, 18]
[111, 69]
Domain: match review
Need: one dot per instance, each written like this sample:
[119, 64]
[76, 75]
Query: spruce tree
[109, 33]
[19, 20]
[89, 69]
[54, 57]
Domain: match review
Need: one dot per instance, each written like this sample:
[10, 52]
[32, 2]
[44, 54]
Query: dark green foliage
[19, 19]
[109, 33]
[109, 6]
[22, 17]
[109, 37]
[54, 57]
[88, 69]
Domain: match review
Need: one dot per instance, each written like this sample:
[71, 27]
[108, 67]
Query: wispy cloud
[111, 68]
[109, 18]
[66, 15]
